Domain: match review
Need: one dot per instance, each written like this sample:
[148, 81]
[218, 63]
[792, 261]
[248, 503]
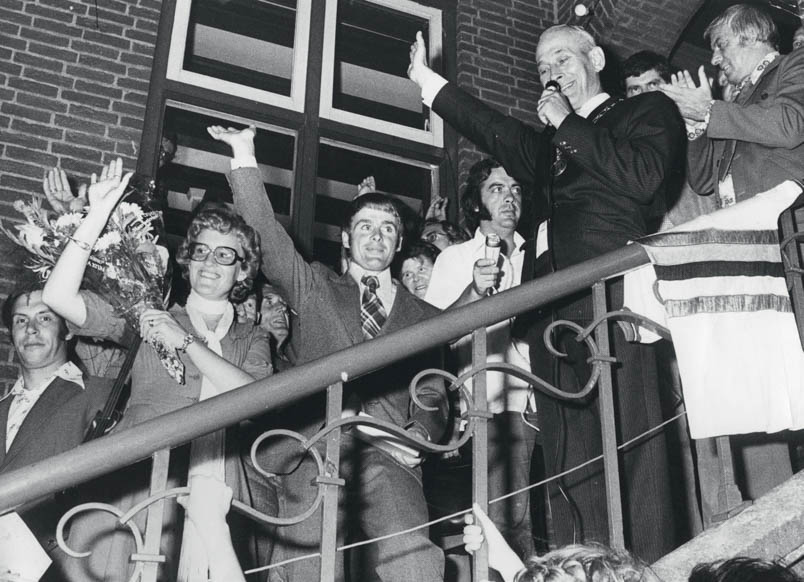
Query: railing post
[153, 524]
[480, 458]
[611, 465]
[332, 484]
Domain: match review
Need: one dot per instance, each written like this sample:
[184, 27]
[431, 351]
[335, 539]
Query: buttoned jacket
[759, 138]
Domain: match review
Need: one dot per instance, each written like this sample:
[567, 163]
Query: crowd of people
[604, 171]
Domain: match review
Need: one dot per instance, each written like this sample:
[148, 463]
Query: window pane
[372, 46]
[197, 173]
[248, 42]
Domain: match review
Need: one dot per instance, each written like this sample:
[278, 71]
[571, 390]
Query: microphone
[552, 84]
[493, 246]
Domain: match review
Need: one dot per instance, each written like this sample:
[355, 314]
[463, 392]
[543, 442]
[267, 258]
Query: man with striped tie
[383, 492]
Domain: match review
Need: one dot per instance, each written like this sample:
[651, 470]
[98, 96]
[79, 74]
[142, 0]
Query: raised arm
[281, 263]
[61, 291]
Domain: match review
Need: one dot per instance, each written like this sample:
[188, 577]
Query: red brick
[129, 109]
[124, 133]
[72, 151]
[30, 156]
[135, 97]
[42, 63]
[151, 4]
[26, 112]
[147, 25]
[106, 39]
[28, 128]
[96, 49]
[23, 177]
[134, 59]
[93, 141]
[10, 68]
[13, 15]
[25, 140]
[135, 122]
[33, 87]
[139, 73]
[93, 114]
[69, 122]
[103, 65]
[57, 27]
[144, 13]
[134, 84]
[54, 105]
[64, 55]
[141, 36]
[86, 99]
[91, 74]
[79, 167]
[109, 28]
[98, 89]
[107, 16]
[47, 77]
[45, 37]
[5, 94]
[13, 42]
[143, 49]
[38, 9]
[126, 148]
[9, 28]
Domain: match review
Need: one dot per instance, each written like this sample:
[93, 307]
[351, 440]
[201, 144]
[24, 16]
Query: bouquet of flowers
[126, 266]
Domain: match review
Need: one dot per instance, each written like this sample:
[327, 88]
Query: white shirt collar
[519, 240]
[762, 65]
[357, 272]
[587, 108]
[67, 371]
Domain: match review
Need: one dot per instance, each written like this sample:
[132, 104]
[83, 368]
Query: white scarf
[207, 453]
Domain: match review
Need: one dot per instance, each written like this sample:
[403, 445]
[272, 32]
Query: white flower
[110, 272]
[110, 239]
[128, 210]
[32, 236]
[68, 219]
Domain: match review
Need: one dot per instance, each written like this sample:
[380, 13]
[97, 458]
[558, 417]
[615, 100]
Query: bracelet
[188, 339]
[701, 126]
[84, 246]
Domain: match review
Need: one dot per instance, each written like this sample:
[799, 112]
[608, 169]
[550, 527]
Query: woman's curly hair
[220, 218]
[583, 563]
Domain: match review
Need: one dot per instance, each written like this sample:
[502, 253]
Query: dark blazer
[55, 424]
[328, 307]
[617, 169]
[759, 138]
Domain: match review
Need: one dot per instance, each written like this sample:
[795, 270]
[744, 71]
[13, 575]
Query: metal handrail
[118, 450]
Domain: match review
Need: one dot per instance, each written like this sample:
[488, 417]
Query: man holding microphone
[599, 180]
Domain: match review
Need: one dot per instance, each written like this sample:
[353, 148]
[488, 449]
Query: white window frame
[301, 41]
[435, 136]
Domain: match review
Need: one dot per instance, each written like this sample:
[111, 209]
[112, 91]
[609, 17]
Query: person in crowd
[571, 563]
[416, 262]
[756, 141]
[274, 318]
[798, 38]
[50, 407]
[599, 173]
[383, 491]
[442, 233]
[220, 256]
[743, 569]
[463, 273]
[646, 71]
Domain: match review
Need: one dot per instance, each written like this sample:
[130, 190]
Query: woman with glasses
[220, 257]
[442, 233]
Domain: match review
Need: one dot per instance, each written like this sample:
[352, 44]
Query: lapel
[405, 312]
[54, 397]
[347, 298]
[730, 147]
[4, 406]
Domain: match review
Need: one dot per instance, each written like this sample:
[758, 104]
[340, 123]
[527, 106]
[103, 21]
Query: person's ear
[598, 58]
[241, 276]
[345, 239]
[68, 336]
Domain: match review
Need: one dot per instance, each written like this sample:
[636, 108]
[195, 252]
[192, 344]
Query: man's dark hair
[742, 569]
[372, 200]
[644, 61]
[25, 288]
[472, 202]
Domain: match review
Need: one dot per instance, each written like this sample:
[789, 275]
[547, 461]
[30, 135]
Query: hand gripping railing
[126, 447]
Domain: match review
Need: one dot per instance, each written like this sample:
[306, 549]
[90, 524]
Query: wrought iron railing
[157, 436]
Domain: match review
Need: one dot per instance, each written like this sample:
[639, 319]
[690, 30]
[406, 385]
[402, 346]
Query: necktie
[372, 312]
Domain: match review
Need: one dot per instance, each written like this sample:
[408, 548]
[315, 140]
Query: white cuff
[243, 162]
[432, 84]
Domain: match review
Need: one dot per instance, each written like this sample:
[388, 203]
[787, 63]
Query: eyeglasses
[225, 256]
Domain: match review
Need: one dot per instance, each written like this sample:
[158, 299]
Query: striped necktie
[372, 312]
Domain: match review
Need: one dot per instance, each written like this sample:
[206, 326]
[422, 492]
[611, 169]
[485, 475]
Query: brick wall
[73, 85]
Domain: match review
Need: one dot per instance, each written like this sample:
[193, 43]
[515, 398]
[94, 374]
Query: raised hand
[240, 140]
[106, 191]
[438, 208]
[693, 101]
[418, 60]
[553, 107]
[59, 195]
[367, 185]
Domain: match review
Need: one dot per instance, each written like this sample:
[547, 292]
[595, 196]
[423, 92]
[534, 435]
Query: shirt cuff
[433, 83]
[243, 162]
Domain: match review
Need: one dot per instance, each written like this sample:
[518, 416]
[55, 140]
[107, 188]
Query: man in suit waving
[383, 486]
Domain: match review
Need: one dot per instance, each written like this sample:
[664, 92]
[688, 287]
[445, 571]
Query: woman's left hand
[160, 325]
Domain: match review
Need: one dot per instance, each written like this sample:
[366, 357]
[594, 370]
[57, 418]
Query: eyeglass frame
[194, 245]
